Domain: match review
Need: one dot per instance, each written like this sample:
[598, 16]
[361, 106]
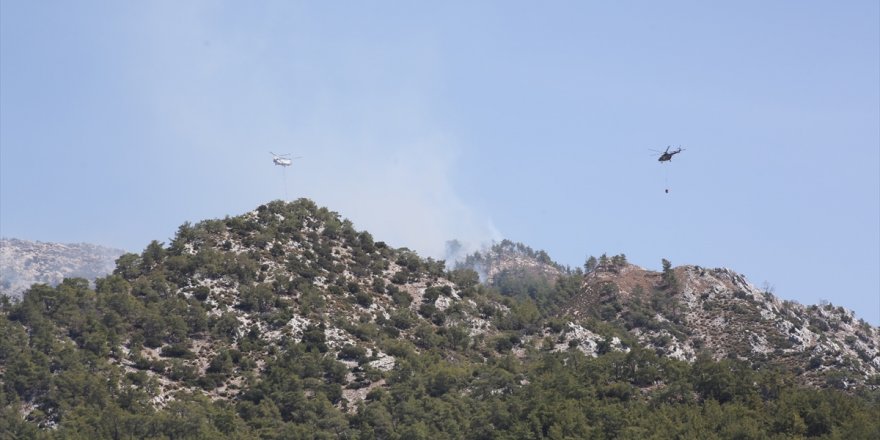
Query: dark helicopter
[666, 156]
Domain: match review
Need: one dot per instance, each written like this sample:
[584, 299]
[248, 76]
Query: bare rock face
[691, 310]
[23, 263]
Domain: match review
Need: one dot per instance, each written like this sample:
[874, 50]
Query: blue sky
[477, 120]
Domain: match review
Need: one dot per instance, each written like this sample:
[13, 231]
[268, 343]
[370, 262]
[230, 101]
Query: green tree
[590, 264]
[668, 276]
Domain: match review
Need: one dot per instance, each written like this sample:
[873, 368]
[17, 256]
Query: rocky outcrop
[691, 310]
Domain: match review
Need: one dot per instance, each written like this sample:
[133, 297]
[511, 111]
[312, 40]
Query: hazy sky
[425, 121]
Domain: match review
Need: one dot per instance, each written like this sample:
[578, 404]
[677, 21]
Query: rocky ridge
[691, 310]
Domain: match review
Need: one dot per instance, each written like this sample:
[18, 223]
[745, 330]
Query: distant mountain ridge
[25, 262]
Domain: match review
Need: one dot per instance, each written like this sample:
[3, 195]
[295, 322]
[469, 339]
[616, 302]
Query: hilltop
[509, 258]
[287, 322]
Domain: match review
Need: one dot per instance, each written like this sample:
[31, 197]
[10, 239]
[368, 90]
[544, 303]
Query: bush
[400, 277]
[402, 319]
[363, 299]
[201, 293]
[352, 353]
[178, 350]
[400, 298]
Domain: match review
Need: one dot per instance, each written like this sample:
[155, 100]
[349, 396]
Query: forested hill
[286, 322]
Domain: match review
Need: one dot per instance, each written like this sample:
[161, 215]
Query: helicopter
[282, 159]
[666, 156]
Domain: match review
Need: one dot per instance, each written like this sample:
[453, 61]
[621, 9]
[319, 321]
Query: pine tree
[669, 279]
[590, 264]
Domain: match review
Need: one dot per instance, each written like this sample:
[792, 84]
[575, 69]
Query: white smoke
[407, 200]
[372, 148]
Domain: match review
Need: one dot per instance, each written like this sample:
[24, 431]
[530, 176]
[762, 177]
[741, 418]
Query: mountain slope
[286, 322]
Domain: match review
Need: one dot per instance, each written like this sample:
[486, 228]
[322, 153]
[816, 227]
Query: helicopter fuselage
[667, 156]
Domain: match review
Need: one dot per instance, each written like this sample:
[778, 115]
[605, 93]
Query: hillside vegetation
[287, 322]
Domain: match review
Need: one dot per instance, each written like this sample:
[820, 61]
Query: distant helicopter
[282, 159]
[666, 156]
